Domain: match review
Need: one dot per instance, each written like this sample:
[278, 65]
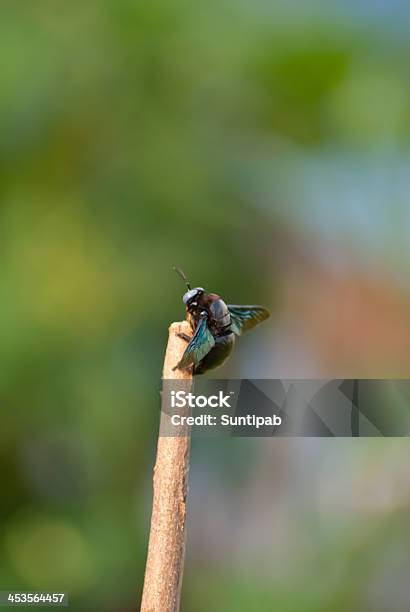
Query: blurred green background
[263, 147]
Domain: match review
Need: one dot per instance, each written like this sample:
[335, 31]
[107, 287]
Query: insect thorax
[220, 317]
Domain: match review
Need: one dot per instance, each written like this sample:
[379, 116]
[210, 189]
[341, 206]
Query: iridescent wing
[244, 318]
[200, 344]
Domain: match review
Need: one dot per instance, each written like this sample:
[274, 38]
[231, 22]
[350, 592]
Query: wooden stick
[166, 549]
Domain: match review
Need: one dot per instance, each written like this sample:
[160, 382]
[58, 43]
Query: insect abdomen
[218, 354]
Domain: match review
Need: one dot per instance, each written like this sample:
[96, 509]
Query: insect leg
[184, 337]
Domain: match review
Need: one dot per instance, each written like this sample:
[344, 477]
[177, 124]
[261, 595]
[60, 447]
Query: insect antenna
[182, 275]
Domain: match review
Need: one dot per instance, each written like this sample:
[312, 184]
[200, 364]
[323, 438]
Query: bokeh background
[263, 147]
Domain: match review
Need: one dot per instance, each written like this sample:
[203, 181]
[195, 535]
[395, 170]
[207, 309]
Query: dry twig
[166, 549]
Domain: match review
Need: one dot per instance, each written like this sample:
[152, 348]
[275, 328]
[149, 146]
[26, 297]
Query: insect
[215, 326]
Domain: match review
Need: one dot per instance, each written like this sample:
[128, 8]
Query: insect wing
[244, 318]
[201, 343]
